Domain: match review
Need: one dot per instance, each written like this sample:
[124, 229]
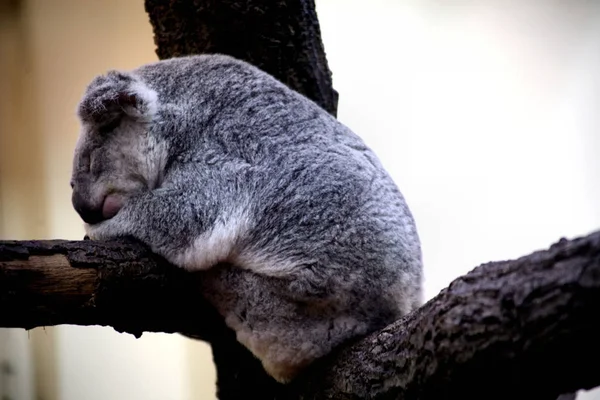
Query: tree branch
[525, 326]
[282, 38]
[119, 284]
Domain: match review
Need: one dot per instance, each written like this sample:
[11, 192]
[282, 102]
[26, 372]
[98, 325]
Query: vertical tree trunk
[281, 37]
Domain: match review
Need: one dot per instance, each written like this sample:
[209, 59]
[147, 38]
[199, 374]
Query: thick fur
[213, 162]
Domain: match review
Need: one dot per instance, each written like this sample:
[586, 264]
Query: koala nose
[88, 212]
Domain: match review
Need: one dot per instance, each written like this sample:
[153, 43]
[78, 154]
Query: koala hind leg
[285, 332]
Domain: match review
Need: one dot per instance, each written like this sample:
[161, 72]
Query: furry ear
[109, 98]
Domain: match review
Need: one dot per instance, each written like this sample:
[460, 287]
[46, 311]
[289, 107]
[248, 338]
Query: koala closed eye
[93, 165]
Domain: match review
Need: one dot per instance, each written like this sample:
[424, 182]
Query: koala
[303, 238]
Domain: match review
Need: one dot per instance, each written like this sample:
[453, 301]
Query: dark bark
[525, 328]
[522, 328]
[118, 284]
[280, 37]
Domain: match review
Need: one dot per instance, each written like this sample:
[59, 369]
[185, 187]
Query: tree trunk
[281, 37]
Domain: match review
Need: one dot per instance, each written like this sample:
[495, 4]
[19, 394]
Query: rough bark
[522, 328]
[281, 37]
[118, 284]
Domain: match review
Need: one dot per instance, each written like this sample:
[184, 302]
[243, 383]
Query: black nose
[88, 212]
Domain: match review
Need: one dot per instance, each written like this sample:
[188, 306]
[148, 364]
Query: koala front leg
[174, 223]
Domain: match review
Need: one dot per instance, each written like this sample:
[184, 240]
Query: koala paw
[105, 230]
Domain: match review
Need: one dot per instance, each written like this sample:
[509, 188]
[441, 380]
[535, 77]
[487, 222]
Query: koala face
[116, 155]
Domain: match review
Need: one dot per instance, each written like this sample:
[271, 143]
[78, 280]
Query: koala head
[117, 155]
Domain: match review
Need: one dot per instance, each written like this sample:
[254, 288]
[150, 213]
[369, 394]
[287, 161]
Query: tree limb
[280, 37]
[525, 326]
[119, 284]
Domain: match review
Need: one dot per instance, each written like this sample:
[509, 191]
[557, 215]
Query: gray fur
[304, 239]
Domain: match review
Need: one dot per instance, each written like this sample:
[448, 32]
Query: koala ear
[109, 98]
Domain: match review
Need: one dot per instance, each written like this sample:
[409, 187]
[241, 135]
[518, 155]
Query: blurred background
[485, 112]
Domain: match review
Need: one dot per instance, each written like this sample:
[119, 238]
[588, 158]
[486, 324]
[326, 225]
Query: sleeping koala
[304, 240]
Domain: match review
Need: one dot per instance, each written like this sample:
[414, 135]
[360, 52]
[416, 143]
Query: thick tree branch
[119, 284]
[280, 37]
[525, 328]
[510, 329]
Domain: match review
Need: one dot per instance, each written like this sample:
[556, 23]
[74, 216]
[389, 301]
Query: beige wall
[22, 187]
[71, 41]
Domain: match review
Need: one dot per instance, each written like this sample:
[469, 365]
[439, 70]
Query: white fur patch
[269, 265]
[149, 99]
[220, 244]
